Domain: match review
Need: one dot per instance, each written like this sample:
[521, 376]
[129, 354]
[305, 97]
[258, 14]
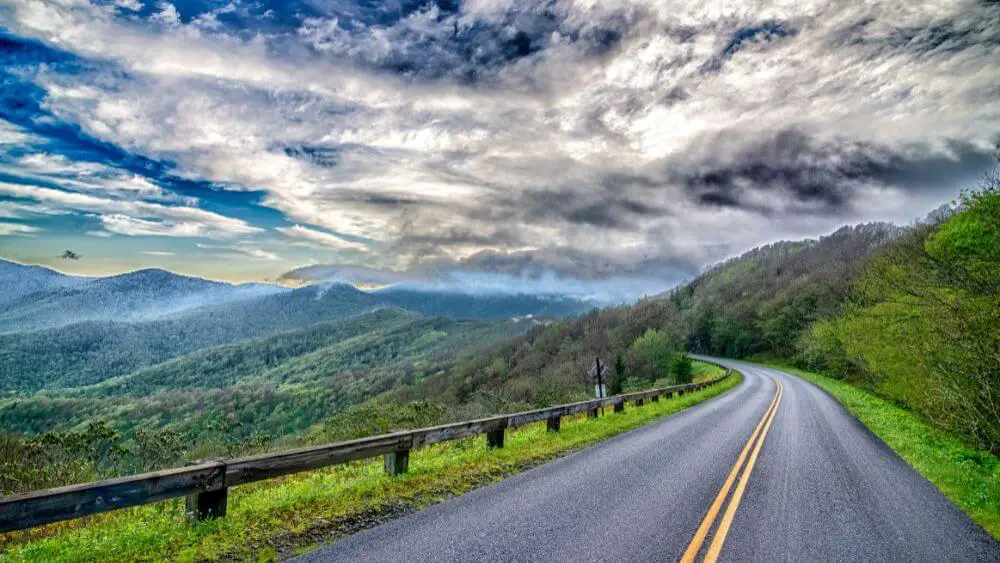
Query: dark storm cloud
[603, 209]
[758, 35]
[940, 37]
[824, 176]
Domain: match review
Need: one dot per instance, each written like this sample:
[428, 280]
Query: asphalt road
[821, 488]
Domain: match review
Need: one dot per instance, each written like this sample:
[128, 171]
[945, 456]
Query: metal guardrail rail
[206, 484]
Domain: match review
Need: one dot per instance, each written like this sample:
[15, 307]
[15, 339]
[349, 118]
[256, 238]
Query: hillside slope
[764, 299]
[275, 385]
[761, 301]
[87, 353]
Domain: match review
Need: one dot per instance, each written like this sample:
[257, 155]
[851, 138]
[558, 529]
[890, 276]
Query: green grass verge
[703, 371]
[284, 516]
[969, 477]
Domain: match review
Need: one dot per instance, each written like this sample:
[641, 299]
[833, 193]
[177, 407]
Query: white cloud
[258, 253]
[314, 237]
[138, 217]
[134, 5]
[157, 253]
[18, 210]
[243, 249]
[17, 229]
[167, 15]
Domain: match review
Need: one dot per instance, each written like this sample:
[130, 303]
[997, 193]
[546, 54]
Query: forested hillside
[19, 279]
[87, 353]
[272, 386]
[922, 325]
[761, 301]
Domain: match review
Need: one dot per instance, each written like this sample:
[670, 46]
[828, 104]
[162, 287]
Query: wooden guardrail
[206, 484]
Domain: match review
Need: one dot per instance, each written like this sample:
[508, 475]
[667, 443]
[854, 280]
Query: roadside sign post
[597, 372]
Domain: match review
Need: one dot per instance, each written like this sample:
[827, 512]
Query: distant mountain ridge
[18, 280]
[67, 335]
[48, 299]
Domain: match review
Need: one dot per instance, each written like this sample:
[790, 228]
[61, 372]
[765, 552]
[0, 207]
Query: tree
[651, 354]
[682, 368]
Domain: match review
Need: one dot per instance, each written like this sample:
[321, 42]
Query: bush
[651, 354]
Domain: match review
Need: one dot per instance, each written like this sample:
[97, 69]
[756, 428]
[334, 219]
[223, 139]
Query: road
[820, 487]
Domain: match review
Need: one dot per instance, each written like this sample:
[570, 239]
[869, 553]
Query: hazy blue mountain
[18, 280]
[139, 295]
[104, 328]
[460, 305]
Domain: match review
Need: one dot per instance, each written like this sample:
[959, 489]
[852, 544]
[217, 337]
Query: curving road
[818, 486]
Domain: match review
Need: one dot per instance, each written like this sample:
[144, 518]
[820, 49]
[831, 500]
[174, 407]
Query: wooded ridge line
[206, 484]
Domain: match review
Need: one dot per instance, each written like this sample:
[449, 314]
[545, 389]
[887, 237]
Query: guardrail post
[592, 413]
[552, 424]
[494, 438]
[655, 398]
[208, 504]
[639, 402]
[397, 462]
[620, 406]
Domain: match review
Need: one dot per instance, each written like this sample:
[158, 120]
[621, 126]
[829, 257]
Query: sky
[619, 144]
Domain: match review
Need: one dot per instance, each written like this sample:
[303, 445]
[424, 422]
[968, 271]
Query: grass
[703, 371]
[281, 517]
[967, 476]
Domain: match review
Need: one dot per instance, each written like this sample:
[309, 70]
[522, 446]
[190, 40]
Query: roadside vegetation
[283, 516]
[922, 325]
[967, 476]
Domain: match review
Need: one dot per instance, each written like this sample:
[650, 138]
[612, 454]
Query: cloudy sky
[624, 140]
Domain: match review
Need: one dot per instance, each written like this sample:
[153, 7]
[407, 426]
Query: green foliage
[651, 355]
[375, 418]
[764, 300]
[91, 352]
[273, 386]
[682, 368]
[99, 451]
[921, 325]
[617, 384]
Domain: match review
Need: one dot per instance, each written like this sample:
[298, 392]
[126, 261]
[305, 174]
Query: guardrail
[206, 484]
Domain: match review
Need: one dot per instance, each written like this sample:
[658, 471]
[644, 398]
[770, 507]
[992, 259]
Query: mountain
[92, 351]
[18, 280]
[460, 305]
[763, 300]
[759, 302]
[139, 295]
[276, 384]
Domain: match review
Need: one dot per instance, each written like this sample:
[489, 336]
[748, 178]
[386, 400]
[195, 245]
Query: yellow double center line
[755, 443]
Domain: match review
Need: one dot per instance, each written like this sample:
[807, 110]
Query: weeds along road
[773, 470]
